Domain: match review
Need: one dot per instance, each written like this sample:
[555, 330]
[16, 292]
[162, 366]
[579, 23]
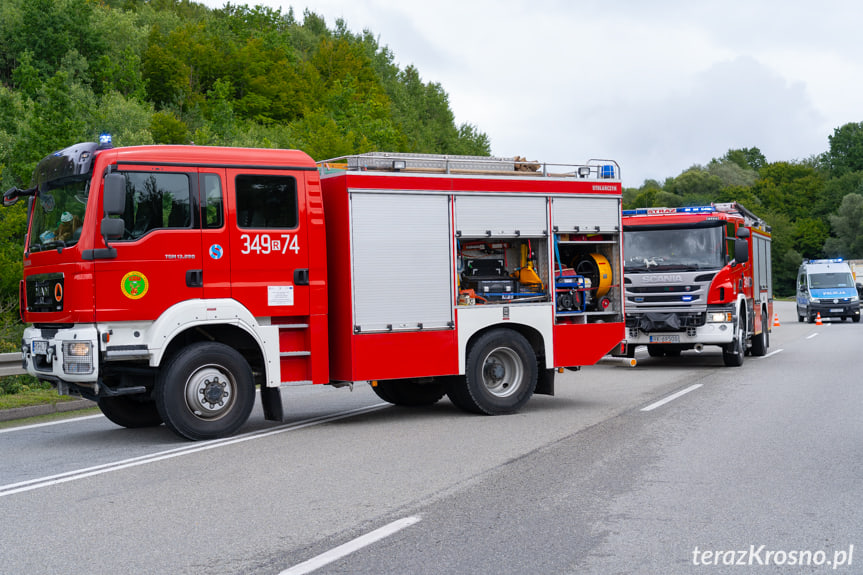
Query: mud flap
[271, 400]
[544, 382]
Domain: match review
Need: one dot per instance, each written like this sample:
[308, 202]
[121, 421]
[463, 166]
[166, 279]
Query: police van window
[266, 201]
[155, 201]
[211, 189]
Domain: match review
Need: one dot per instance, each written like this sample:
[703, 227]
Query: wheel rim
[210, 392]
[502, 372]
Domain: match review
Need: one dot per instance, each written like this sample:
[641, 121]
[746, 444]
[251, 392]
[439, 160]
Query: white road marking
[813, 335]
[48, 481]
[58, 422]
[780, 350]
[350, 547]
[671, 397]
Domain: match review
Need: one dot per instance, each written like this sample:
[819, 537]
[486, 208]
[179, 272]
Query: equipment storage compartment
[502, 271]
[502, 244]
[586, 250]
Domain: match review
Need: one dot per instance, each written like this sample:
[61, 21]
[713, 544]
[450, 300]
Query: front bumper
[68, 355]
[829, 309]
[688, 329]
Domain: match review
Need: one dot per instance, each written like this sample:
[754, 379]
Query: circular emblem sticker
[134, 285]
[216, 251]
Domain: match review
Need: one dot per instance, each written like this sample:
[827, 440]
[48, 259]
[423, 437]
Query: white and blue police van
[826, 287]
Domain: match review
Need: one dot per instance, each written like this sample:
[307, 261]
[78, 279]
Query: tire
[855, 318]
[761, 342]
[132, 411]
[206, 391]
[732, 354]
[409, 393]
[500, 375]
[800, 316]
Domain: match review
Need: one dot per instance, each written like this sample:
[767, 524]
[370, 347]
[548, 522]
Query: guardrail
[10, 364]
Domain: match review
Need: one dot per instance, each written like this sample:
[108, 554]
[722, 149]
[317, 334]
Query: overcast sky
[655, 85]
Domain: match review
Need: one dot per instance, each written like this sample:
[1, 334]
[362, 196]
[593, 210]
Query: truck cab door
[159, 249]
[269, 242]
[215, 236]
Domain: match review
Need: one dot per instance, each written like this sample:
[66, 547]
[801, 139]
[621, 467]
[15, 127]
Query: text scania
[760, 555]
[264, 244]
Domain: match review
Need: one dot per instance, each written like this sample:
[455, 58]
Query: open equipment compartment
[586, 252]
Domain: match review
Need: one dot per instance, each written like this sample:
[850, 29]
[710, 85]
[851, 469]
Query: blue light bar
[827, 261]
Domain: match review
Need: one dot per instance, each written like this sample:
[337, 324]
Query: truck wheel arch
[189, 322]
[533, 337]
[231, 335]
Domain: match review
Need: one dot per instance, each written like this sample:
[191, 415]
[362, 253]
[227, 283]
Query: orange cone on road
[776, 320]
[818, 319]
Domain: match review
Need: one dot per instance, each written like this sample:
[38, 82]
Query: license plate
[665, 339]
[836, 310]
[39, 347]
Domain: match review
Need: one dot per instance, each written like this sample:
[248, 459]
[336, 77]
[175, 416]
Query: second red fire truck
[168, 282]
[697, 276]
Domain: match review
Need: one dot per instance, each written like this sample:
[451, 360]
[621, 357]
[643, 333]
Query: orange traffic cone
[776, 320]
[818, 319]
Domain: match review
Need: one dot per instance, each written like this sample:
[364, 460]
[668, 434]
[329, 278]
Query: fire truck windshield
[678, 249]
[58, 213]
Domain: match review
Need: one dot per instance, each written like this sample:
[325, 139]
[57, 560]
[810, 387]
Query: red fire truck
[697, 276]
[167, 282]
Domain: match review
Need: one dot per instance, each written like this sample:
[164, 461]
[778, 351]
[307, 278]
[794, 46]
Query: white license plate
[665, 339]
[38, 347]
[836, 310]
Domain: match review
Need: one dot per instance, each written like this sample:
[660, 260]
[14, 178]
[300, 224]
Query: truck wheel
[500, 375]
[732, 354]
[409, 393]
[132, 411]
[761, 342]
[205, 391]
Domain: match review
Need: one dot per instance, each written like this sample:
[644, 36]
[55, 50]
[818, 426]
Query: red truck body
[166, 282]
[698, 276]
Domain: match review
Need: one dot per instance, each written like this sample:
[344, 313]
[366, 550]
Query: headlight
[720, 317]
[77, 357]
[854, 298]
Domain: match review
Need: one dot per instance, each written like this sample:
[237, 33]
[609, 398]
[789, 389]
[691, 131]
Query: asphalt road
[621, 472]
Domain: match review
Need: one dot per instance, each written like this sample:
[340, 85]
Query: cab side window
[211, 190]
[154, 201]
[265, 201]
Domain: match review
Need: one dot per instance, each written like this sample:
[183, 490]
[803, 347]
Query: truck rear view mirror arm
[12, 195]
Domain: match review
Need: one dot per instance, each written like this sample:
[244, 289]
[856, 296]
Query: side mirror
[113, 228]
[114, 195]
[743, 233]
[741, 250]
[12, 195]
